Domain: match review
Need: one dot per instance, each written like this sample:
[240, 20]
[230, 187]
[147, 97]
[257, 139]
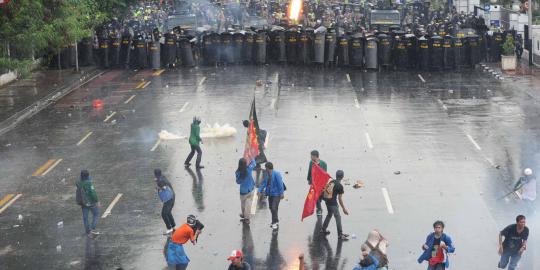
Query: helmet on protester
[528, 172]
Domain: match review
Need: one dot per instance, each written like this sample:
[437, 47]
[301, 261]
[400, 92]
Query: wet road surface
[427, 146]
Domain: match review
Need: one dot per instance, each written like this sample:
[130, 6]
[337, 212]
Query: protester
[244, 177]
[437, 246]
[174, 248]
[167, 196]
[87, 198]
[194, 142]
[333, 191]
[513, 245]
[368, 261]
[377, 245]
[237, 261]
[273, 187]
[316, 160]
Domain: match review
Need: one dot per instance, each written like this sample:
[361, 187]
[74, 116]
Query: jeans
[167, 215]
[439, 266]
[95, 216]
[194, 148]
[333, 210]
[273, 202]
[245, 204]
[509, 256]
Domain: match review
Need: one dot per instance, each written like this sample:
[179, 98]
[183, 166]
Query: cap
[235, 254]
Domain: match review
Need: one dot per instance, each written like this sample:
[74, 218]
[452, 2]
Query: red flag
[252, 147]
[319, 178]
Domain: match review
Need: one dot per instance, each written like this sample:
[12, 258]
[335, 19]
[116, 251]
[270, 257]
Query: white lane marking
[348, 77]
[368, 139]
[129, 99]
[490, 162]
[474, 142]
[442, 104]
[184, 107]
[109, 117]
[200, 84]
[421, 78]
[52, 167]
[84, 138]
[387, 200]
[10, 203]
[113, 203]
[202, 81]
[146, 84]
[155, 145]
[356, 103]
[254, 203]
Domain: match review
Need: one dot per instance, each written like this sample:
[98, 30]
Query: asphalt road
[428, 146]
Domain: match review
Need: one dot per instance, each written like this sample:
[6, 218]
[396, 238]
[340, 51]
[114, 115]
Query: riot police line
[394, 50]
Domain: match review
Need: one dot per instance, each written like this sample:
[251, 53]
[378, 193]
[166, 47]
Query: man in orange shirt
[175, 253]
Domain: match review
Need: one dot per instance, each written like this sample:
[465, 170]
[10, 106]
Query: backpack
[165, 194]
[80, 195]
[328, 190]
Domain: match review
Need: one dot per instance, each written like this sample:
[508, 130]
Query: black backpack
[80, 195]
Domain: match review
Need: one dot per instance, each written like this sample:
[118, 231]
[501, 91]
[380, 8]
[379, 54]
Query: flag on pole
[319, 178]
[252, 148]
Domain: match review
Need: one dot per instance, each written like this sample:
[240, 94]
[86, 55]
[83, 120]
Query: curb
[43, 103]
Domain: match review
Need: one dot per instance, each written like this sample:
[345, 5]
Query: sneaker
[168, 232]
[343, 236]
[319, 212]
[94, 232]
[241, 216]
[246, 221]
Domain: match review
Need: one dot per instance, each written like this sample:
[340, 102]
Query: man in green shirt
[315, 159]
[88, 200]
[194, 142]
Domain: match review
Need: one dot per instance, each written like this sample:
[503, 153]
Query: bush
[23, 68]
[508, 46]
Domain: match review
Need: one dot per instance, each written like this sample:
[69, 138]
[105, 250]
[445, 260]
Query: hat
[235, 254]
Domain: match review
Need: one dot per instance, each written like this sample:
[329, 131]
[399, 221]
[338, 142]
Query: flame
[295, 9]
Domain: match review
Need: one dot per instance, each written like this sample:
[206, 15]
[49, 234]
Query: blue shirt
[276, 187]
[429, 243]
[246, 184]
[373, 266]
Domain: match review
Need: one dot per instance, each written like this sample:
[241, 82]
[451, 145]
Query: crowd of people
[435, 249]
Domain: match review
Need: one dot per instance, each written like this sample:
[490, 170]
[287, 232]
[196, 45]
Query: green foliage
[23, 67]
[508, 46]
[34, 27]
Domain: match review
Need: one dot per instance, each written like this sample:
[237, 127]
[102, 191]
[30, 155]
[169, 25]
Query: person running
[237, 261]
[167, 196]
[174, 248]
[368, 261]
[274, 188]
[315, 159]
[333, 192]
[513, 245]
[437, 245]
[194, 142]
[87, 198]
[244, 177]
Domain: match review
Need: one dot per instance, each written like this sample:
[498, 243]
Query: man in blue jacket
[436, 248]
[244, 177]
[274, 188]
